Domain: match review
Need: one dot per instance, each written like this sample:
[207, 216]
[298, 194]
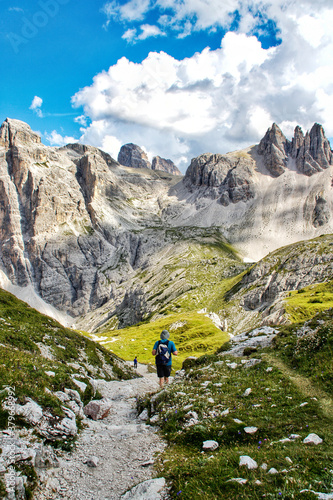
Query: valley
[234, 259]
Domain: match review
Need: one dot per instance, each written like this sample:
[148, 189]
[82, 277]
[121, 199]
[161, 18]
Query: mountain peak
[311, 152]
[131, 155]
[165, 165]
[13, 132]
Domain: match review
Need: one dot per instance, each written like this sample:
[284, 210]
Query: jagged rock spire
[311, 152]
[274, 147]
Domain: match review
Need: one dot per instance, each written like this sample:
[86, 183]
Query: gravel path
[121, 442]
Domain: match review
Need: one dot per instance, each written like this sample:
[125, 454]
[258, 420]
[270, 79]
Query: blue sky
[177, 77]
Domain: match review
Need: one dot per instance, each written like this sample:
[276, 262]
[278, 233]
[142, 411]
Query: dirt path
[121, 442]
[304, 385]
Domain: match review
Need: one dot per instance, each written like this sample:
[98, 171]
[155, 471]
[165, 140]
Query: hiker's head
[165, 335]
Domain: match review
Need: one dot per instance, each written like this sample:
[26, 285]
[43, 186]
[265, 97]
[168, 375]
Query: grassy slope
[305, 303]
[22, 366]
[302, 375]
[195, 336]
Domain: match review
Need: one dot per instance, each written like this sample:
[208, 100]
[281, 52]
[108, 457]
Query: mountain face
[98, 240]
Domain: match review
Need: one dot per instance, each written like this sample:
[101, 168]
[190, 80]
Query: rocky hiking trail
[121, 445]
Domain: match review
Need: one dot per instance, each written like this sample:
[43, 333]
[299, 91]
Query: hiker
[162, 350]
[135, 362]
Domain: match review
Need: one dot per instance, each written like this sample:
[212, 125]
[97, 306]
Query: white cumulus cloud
[56, 139]
[36, 105]
[217, 100]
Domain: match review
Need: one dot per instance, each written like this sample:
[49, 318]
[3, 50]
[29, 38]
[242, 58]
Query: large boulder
[97, 409]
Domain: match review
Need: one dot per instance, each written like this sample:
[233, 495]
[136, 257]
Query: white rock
[272, 471]
[239, 480]
[92, 461]
[250, 430]
[98, 409]
[81, 385]
[144, 415]
[50, 374]
[153, 489]
[232, 366]
[154, 419]
[31, 412]
[192, 414]
[303, 404]
[257, 482]
[294, 436]
[248, 462]
[269, 369]
[225, 413]
[312, 439]
[210, 445]
[247, 392]
[288, 459]
[321, 496]
[62, 396]
[264, 466]
[74, 396]
[237, 421]
[211, 400]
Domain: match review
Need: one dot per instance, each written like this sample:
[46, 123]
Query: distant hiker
[162, 351]
[135, 362]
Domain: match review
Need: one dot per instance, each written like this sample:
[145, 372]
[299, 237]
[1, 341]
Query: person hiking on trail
[162, 351]
[135, 362]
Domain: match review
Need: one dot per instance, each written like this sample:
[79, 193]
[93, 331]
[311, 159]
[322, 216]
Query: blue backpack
[162, 353]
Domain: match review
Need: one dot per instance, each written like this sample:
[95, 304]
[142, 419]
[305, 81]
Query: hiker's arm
[153, 352]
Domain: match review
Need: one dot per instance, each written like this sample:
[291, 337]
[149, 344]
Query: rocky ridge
[266, 285]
